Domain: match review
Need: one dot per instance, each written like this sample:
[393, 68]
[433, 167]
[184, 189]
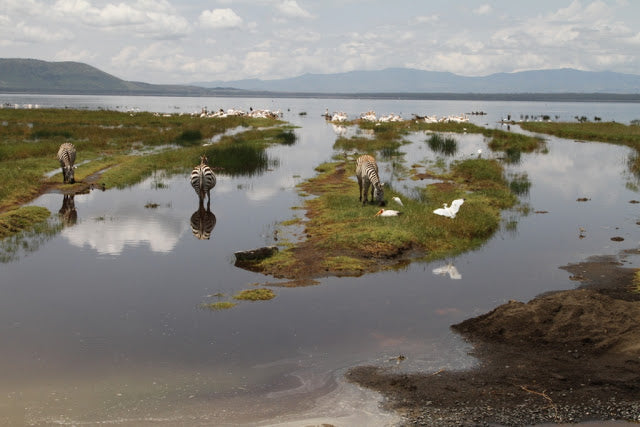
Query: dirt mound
[566, 356]
[580, 317]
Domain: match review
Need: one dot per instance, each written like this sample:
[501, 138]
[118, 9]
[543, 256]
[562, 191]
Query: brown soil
[565, 356]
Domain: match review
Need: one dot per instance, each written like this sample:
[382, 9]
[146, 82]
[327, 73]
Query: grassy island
[117, 149]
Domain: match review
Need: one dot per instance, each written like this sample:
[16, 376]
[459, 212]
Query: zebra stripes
[367, 174]
[202, 223]
[203, 179]
[67, 157]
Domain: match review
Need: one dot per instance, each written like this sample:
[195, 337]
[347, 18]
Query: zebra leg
[359, 187]
[365, 192]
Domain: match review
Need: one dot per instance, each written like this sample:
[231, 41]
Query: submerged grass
[443, 144]
[611, 132]
[390, 135]
[218, 306]
[23, 230]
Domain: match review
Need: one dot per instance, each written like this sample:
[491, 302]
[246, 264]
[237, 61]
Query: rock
[256, 254]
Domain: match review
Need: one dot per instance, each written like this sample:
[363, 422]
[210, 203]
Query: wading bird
[388, 212]
[450, 211]
[398, 201]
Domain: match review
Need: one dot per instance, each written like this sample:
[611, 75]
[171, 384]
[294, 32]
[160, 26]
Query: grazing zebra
[203, 179]
[202, 223]
[367, 174]
[67, 157]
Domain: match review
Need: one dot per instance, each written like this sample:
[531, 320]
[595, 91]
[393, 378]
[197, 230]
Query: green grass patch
[23, 218]
[218, 306]
[23, 230]
[108, 140]
[345, 238]
[260, 294]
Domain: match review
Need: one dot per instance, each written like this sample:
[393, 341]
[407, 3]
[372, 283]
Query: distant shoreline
[237, 93]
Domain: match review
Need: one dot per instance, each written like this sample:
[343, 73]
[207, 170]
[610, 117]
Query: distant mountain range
[36, 76]
[410, 80]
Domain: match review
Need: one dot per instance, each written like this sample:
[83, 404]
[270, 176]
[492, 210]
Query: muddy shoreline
[563, 357]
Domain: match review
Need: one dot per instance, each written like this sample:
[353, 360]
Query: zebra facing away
[203, 180]
[367, 174]
[67, 157]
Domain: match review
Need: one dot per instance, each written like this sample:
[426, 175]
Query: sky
[186, 41]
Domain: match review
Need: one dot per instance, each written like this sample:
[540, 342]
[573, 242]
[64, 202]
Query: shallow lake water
[102, 322]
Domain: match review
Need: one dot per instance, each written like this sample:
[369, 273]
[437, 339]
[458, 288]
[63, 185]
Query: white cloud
[485, 9]
[39, 34]
[73, 55]
[426, 19]
[220, 18]
[291, 9]
[122, 15]
[147, 18]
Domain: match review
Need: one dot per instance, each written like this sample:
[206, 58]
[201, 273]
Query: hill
[418, 81]
[19, 75]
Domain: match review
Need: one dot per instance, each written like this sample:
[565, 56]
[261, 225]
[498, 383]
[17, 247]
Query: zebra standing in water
[203, 180]
[67, 157]
[367, 174]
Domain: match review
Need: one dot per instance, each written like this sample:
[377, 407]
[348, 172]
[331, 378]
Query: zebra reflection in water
[68, 211]
[202, 222]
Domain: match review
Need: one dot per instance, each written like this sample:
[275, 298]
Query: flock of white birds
[260, 114]
[370, 116]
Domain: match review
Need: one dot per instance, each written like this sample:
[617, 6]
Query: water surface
[103, 322]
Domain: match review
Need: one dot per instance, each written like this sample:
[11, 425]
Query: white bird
[449, 269]
[450, 211]
[388, 212]
[398, 201]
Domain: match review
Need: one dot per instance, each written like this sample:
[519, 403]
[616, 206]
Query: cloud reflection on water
[110, 236]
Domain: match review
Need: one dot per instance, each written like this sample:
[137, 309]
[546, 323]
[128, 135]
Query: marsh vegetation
[343, 238]
[611, 132]
[122, 149]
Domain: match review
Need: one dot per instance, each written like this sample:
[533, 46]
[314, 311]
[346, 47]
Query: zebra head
[378, 193]
[204, 160]
[69, 174]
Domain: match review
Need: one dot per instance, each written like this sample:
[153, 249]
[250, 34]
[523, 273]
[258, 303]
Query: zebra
[67, 157]
[367, 174]
[202, 223]
[203, 180]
